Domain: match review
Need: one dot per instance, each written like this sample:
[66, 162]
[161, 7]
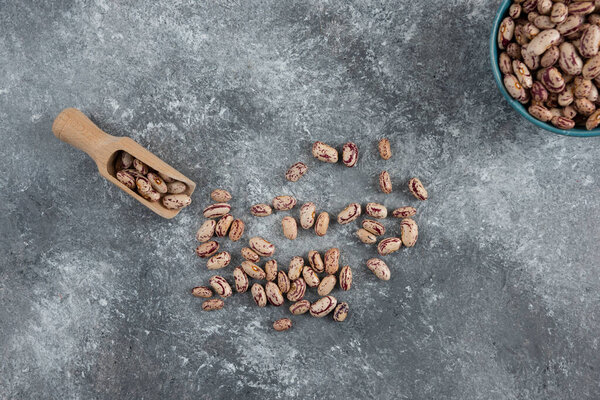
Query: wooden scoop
[73, 127]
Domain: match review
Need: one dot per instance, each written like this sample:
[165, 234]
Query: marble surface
[499, 299]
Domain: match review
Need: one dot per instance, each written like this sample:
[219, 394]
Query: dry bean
[220, 286]
[220, 196]
[350, 154]
[223, 225]
[259, 295]
[346, 277]
[389, 246]
[323, 306]
[273, 294]
[253, 270]
[324, 152]
[262, 247]
[349, 214]
[219, 260]
[207, 249]
[157, 183]
[295, 268]
[374, 227]
[216, 210]
[410, 232]
[166, 177]
[376, 210]
[366, 236]
[332, 260]
[282, 324]
[341, 312]
[126, 179]
[310, 277]
[326, 286]
[241, 280]
[261, 210]
[300, 307]
[284, 203]
[385, 182]
[297, 290]
[307, 215]
[250, 255]
[379, 268]
[202, 291]
[176, 187]
[417, 189]
[315, 261]
[271, 270]
[176, 201]
[593, 120]
[283, 282]
[237, 230]
[290, 227]
[385, 151]
[140, 166]
[296, 172]
[505, 32]
[322, 224]
[213, 304]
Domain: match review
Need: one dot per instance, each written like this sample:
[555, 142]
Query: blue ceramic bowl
[494, 51]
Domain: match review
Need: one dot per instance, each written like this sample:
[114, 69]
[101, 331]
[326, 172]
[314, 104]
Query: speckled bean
[350, 154]
[322, 224]
[290, 227]
[385, 151]
[237, 230]
[324, 152]
[157, 182]
[346, 277]
[310, 277]
[295, 268]
[297, 290]
[222, 227]
[259, 295]
[219, 260]
[307, 215]
[284, 203]
[349, 214]
[283, 282]
[250, 255]
[341, 312]
[220, 286]
[206, 231]
[315, 261]
[271, 270]
[220, 196]
[376, 210]
[327, 284]
[273, 294]
[282, 324]
[385, 182]
[126, 179]
[216, 210]
[261, 210]
[379, 268]
[323, 306]
[241, 280]
[207, 249]
[540, 112]
[202, 291]
[253, 270]
[505, 32]
[296, 171]
[300, 307]
[332, 260]
[261, 246]
[140, 166]
[176, 201]
[213, 304]
[366, 236]
[417, 189]
[389, 245]
[505, 63]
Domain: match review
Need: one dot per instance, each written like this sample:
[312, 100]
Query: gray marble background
[498, 300]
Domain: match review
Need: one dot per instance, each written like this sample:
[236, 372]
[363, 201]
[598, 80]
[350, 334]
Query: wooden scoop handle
[73, 127]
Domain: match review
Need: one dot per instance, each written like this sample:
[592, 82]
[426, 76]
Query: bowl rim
[494, 52]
